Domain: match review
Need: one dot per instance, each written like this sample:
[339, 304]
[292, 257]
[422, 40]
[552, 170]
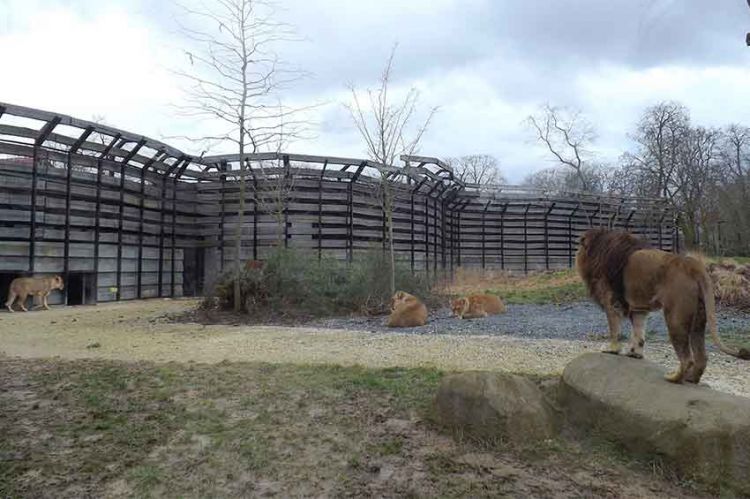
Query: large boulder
[495, 406]
[702, 433]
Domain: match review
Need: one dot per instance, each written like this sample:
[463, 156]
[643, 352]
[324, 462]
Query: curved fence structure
[124, 216]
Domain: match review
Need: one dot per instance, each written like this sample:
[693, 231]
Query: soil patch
[118, 429]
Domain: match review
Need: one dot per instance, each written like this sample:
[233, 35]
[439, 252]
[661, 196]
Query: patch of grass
[254, 451]
[561, 286]
[145, 478]
[154, 426]
[389, 447]
[557, 294]
[238, 430]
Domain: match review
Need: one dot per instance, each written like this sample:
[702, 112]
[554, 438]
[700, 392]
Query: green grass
[741, 260]
[230, 429]
[154, 424]
[562, 286]
[557, 294]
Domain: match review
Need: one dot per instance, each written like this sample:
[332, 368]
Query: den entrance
[80, 288]
[5, 279]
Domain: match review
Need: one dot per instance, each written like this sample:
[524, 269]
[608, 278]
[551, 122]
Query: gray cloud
[487, 63]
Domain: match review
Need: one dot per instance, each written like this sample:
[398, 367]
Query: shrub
[297, 282]
[731, 284]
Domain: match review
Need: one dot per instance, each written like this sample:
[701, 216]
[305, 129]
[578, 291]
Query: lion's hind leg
[697, 340]
[638, 337]
[679, 335]
[11, 299]
[614, 320]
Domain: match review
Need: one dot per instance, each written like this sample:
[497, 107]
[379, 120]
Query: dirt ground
[93, 428]
[144, 330]
[120, 400]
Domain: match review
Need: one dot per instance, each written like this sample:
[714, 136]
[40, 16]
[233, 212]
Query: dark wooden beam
[108, 147]
[570, 234]
[502, 236]
[46, 130]
[66, 243]
[142, 205]
[546, 235]
[80, 140]
[121, 211]
[32, 227]
[222, 168]
[181, 170]
[320, 210]
[358, 172]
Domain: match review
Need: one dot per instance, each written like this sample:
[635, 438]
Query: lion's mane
[604, 257]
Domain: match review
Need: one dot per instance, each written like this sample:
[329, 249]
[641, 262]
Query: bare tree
[734, 187]
[660, 135]
[481, 169]
[567, 135]
[696, 176]
[388, 128]
[273, 183]
[234, 79]
[598, 178]
[735, 154]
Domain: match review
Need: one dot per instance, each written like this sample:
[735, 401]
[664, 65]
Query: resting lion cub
[407, 311]
[22, 287]
[474, 306]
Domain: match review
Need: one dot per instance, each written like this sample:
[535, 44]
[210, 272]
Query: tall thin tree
[234, 80]
[387, 126]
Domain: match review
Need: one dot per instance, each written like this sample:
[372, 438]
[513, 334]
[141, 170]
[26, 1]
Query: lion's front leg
[613, 320]
[638, 338]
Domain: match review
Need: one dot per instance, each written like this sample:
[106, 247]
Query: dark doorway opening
[192, 273]
[80, 288]
[5, 279]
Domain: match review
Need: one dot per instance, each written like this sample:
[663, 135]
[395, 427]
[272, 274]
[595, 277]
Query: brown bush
[731, 284]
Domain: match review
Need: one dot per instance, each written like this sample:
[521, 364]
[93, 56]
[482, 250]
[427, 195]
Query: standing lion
[627, 278]
[22, 287]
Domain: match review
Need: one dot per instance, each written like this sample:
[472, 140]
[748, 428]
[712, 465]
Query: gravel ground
[573, 321]
[145, 331]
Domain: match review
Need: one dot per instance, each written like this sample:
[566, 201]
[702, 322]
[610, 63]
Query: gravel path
[573, 321]
[144, 331]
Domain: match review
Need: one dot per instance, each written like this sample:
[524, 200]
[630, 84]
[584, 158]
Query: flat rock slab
[703, 433]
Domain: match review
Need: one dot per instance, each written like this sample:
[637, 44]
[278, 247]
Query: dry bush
[731, 284]
[292, 282]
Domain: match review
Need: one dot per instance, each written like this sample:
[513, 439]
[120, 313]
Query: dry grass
[558, 286]
[731, 278]
[731, 284]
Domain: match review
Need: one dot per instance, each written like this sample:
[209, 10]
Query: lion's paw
[674, 377]
[635, 355]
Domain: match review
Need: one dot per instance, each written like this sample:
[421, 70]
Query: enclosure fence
[125, 216]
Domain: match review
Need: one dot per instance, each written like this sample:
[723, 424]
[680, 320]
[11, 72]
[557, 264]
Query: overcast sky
[486, 63]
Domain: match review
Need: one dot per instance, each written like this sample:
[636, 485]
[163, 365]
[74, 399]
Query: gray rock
[702, 433]
[494, 406]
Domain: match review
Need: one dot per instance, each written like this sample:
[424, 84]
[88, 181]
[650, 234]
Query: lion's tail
[707, 289]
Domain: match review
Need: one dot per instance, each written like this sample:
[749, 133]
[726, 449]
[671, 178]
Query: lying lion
[474, 306]
[22, 287]
[407, 311]
[629, 279]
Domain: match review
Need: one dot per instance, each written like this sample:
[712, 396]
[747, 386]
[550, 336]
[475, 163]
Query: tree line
[703, 172]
